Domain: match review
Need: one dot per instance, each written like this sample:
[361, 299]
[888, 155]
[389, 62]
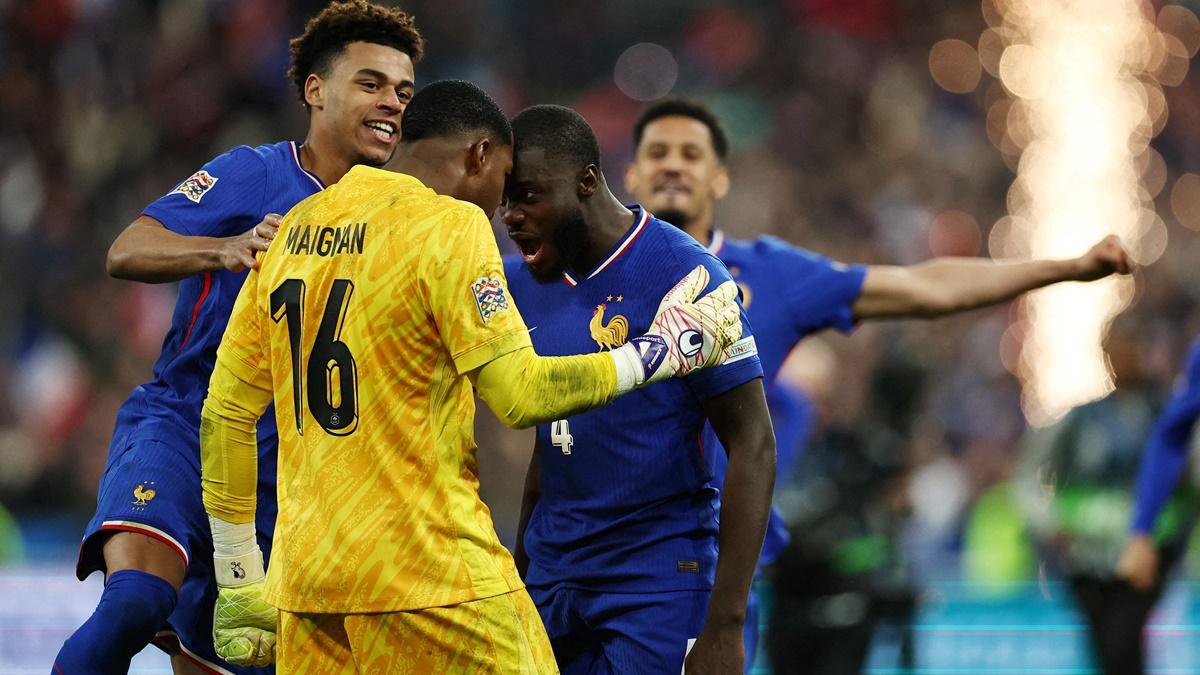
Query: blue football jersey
[227, 196]
[788, 293]
[627, 502]
[1168, 449]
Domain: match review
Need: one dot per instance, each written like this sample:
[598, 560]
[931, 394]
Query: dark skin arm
[147, 251]
[743, 424]
[533, 491]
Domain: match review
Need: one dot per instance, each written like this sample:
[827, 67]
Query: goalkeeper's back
[376, 313]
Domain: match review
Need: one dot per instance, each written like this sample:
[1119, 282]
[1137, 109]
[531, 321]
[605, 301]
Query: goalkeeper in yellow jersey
[380, 302]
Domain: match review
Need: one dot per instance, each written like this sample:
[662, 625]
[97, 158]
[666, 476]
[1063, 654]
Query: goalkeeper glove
[243, 622]
[685, 335]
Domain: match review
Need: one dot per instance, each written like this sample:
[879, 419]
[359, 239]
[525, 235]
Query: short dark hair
[561, 132]
[682, 107]
[449, 107]
[339, 24]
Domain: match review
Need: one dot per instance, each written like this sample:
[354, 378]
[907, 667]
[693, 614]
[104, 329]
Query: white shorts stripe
[154, 532]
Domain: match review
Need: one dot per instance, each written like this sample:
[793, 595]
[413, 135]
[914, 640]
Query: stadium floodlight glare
[1086, 76]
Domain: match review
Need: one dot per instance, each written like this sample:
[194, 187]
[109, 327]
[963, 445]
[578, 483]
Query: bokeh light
[1175, 66]
[1154, 172]
[1185, 201]
[1086, 84]
[646, 71]
[1182, 23]
[991, 46]
[955, 66]
[954, 233]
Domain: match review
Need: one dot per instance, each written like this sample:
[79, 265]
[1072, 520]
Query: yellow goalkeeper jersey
[374, 300]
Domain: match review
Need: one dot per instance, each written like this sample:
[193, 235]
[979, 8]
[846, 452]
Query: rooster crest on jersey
[611, 335]
[196, 186]
[142, 496]
[489, 297]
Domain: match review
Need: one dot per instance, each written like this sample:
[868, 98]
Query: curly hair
[343, 22]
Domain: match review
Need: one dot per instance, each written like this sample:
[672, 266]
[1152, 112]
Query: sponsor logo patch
[652, 349]
[742, 349]
[194, 187]
[489, 297]
[690, 342]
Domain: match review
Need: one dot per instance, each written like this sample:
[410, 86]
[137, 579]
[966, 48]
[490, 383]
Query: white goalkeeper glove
[685, 335]
[243, 622]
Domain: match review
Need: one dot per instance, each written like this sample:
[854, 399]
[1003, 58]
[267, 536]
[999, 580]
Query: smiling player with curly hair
[353, 70]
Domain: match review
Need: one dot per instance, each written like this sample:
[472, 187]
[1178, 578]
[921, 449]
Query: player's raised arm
[947, 285]
[238, 394]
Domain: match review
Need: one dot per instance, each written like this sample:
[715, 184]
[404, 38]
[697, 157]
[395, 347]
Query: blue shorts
[595, 633]
[151, 485]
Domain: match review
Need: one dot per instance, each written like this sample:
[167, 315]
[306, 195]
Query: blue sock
[134, 606]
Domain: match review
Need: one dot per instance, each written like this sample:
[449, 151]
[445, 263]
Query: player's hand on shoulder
[237, 253]
[687, 333]
[718, 651]
[1107, 257]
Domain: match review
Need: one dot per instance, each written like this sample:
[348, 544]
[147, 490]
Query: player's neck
[608, 220]
[429, 161]
[701, 227]
[702, 233]
[320, 162]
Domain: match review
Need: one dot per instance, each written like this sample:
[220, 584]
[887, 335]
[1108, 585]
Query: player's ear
[314, 91]
[721, 182]
[478, 156]
[589, 180]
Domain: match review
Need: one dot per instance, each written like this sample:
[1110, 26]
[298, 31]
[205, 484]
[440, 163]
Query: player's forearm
[1163, 461]
[948, 285]
[146, 251]
[1162, 464]
[524, 389]
[229, 447]
[745, 509]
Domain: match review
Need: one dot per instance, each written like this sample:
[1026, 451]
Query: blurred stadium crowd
[842, 142]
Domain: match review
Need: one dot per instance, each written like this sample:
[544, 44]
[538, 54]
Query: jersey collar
[642, 217]
[717, 243]
[296, 157]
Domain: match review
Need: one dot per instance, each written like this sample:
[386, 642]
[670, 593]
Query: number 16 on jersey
[329, 374]
[560, 436]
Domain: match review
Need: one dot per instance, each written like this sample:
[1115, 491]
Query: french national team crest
[143, 494]
[194, 187]
[489, 297]
[608, 335]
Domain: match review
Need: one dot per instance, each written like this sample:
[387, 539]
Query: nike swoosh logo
[532, 329]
